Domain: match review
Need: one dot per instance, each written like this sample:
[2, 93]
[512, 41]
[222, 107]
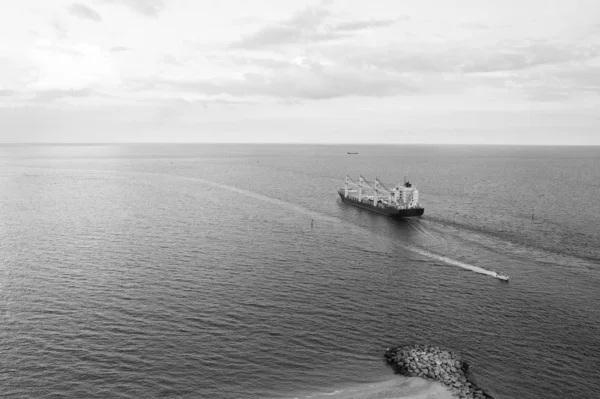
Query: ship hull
[388, 211]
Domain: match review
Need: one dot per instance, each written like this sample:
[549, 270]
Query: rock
[434, 364]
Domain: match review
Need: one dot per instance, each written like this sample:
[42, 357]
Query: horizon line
[292, 143]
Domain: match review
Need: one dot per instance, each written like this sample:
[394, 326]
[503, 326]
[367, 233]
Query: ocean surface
[192, 271]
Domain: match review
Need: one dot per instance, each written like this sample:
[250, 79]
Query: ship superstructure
[399, 202]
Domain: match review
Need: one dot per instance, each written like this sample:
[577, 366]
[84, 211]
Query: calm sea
[141, 271]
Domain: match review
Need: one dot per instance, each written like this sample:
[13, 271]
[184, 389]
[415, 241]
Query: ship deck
[381, 208]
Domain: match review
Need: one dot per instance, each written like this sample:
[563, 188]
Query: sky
[378, 71]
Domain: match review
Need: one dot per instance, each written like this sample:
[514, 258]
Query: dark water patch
[515, 237]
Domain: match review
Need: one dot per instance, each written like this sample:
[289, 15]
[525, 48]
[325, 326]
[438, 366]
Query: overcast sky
[377, 71]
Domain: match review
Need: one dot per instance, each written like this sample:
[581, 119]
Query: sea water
[190, 271]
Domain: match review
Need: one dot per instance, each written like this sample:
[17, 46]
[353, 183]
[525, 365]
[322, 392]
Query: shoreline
[398, 387]
[435, 364]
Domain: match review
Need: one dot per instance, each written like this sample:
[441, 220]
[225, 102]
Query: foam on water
[398, 387]
[453, 262]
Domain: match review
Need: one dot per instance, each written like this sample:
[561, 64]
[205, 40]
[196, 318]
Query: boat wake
[453, 262]
[299, 209]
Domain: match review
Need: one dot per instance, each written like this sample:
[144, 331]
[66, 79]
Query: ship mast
[346, 187]
[360, 186]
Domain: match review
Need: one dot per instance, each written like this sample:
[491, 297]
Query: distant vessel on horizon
[353, 153]
[400, 202]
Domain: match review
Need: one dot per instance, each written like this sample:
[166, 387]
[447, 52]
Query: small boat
[501, 276]
[353, 153]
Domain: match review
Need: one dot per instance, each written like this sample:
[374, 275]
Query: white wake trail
[284, 204]
[453, 262]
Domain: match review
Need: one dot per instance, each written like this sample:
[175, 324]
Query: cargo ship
[400, 202]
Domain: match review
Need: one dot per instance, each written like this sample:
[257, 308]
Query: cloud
[307, 26]
[279, 35]
[466, 55]
[519, 56]
[47, 96]
[545, 94]
[119, 49]
[180, 103]
[84, 12]
[561, 82]
[475, 26]
[61, 67]
[460, 57]
[546, 82]
[235, 60]
[302, 27]
[542, 70]
[59, 29]
[368, 24]
[51, 95]
[171, 60]
[46, 45]
[150, 8]
[582, 78]
[304, 80]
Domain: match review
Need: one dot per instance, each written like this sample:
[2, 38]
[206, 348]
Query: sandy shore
[397, 388]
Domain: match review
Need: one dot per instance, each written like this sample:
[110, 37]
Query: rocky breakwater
[435, 364]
